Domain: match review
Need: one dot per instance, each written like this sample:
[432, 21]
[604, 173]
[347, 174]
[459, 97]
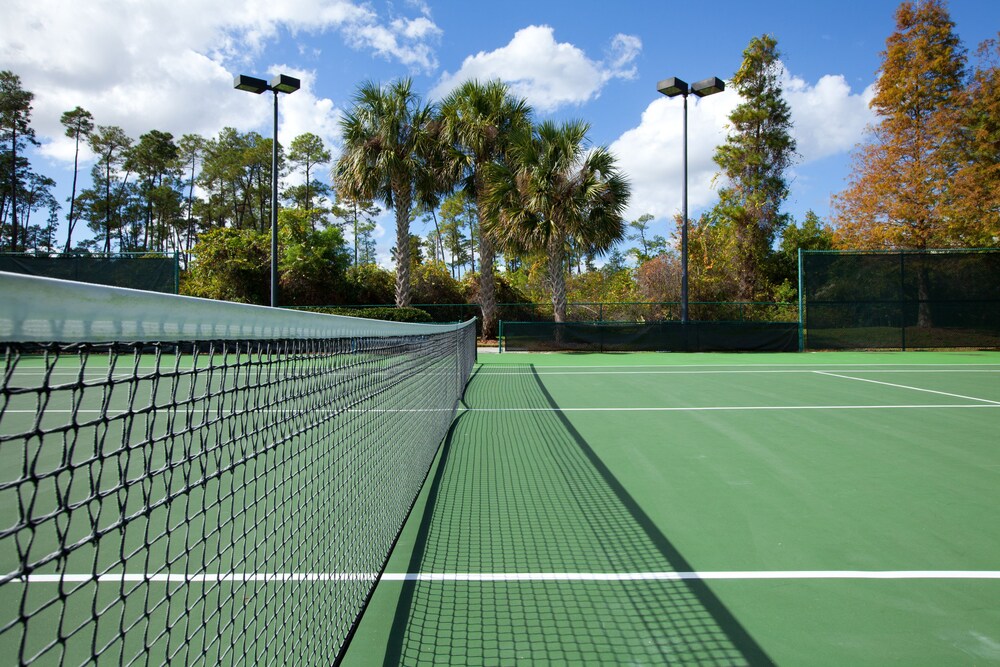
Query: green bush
[388, 313]
[368, 284]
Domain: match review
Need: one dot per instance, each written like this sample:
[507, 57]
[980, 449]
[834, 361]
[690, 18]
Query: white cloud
[547, 73]
[828, 119]
[624, 49]
[651, 154]
[168, 64]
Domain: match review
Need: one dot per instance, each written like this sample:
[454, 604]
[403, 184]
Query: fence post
[500, 337]
[802, 341]
[902, 299]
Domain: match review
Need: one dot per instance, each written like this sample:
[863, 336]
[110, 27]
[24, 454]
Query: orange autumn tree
[899, 194]
[976, 186]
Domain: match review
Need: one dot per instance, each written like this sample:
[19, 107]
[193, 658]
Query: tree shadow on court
[521, 491]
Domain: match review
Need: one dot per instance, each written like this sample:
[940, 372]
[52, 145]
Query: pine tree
[79, 123]
[900, 188]
[15, 134]
[754, 158]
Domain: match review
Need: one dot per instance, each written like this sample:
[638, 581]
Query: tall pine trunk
[72, 197]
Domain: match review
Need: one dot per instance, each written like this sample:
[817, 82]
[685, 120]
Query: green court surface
[837, 509]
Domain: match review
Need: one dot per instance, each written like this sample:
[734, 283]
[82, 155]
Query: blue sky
[168, 65]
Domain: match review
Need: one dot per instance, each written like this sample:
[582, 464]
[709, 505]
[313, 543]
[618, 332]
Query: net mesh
[211, 501]
[901, 300]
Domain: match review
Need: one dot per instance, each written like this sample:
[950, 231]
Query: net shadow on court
[523, 492]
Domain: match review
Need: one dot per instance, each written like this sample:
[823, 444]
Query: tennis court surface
[825, 508]
[192, 482]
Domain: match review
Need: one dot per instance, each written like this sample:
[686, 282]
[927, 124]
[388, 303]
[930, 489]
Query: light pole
[279, 84]
[673, 87]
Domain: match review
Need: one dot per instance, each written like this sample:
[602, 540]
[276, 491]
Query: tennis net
[186, 481]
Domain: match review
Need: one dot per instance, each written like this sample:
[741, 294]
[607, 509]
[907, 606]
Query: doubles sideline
[502, 577]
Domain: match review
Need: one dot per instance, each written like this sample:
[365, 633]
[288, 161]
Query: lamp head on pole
[709, 86]
[672, 87]
[251, 84]
[285, 84]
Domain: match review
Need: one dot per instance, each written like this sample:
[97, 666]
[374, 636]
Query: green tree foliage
[358, 219]
[812, 234]
[110, 177]
[555, 189]
[313, 261]
[454, 218]
[433, 283]
[234, 264]
[154, 159]
[307, 153]
[369, 284]
[712, 259]
[754, 159]
[387, 140]
[415, 252]
[36, 195]
[236, 176]
[614, 284]
[899, 194]
[649, 245]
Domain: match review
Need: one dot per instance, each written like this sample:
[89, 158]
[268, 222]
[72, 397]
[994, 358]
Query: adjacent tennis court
[825, 508]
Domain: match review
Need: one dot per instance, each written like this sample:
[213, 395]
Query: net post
[802, 345]
[500, 338]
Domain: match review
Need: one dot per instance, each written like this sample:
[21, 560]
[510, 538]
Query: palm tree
[478, 119]
[388, 136]
[555, 190]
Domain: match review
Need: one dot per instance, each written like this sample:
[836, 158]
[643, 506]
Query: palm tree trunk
[402, 196]
[487, 286]
[557, 277]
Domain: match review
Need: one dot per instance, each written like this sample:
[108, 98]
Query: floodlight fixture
[709, 86]
[285, 84]
[250, 84]
[673, 87]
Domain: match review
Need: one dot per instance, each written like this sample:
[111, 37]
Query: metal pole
[274, 207]
[684, 226]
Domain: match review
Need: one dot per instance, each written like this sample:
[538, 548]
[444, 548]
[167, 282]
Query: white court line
[903, 386]
[737, 408]
[681, 576]
[541, 369]
[720, 408]
[281, 577]
[750, 372]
